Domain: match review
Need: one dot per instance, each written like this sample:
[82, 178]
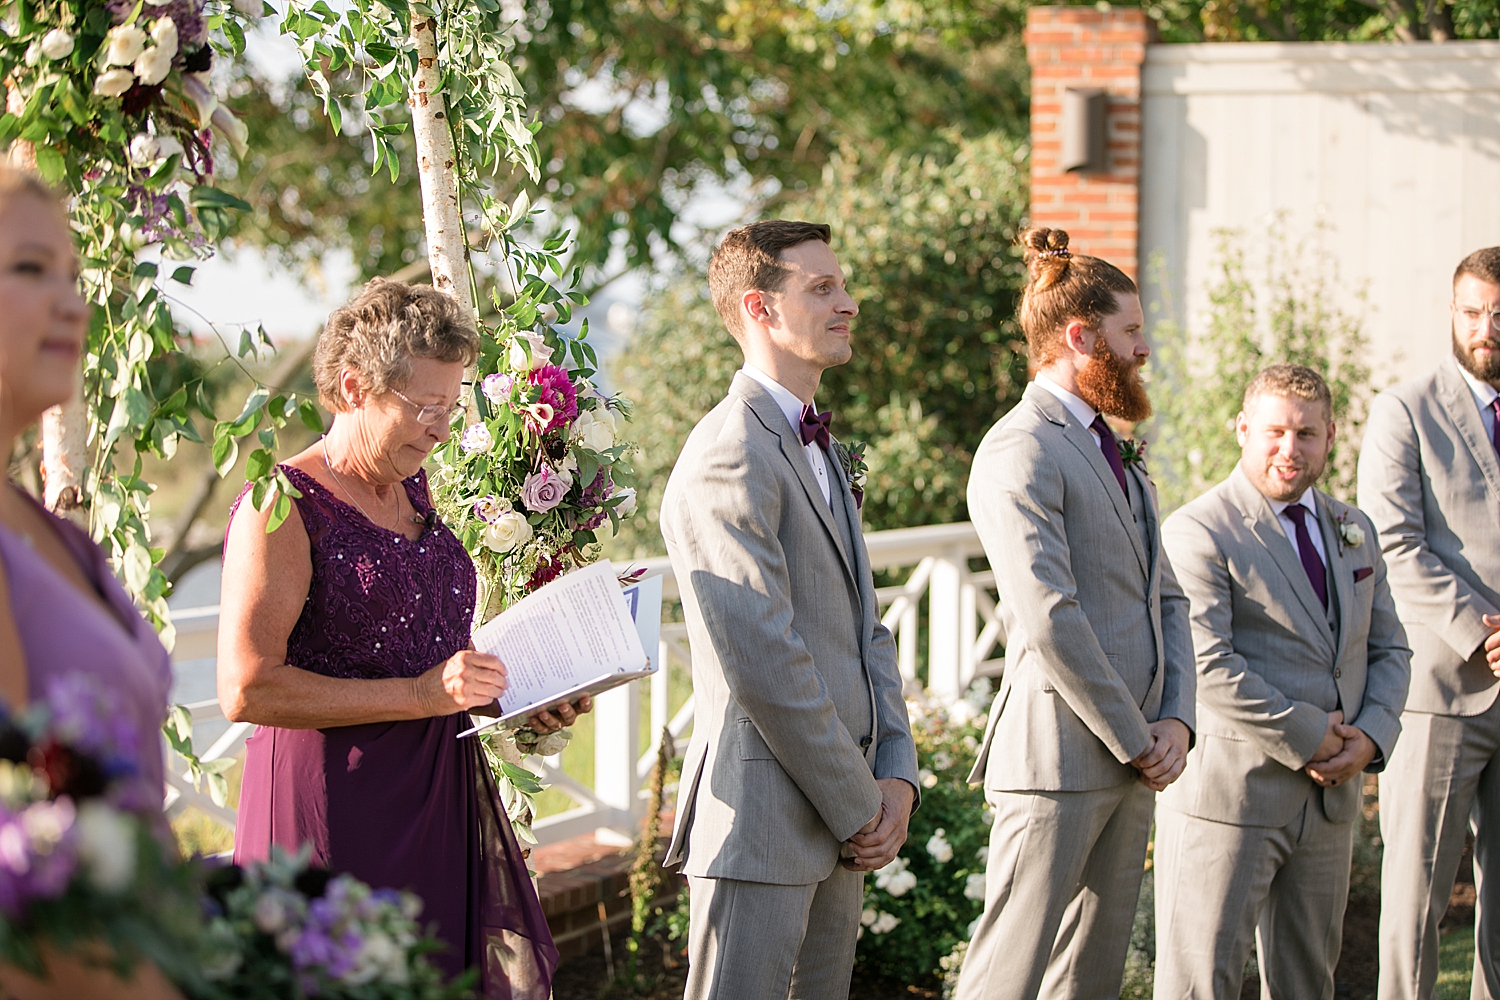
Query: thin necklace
[340, 483]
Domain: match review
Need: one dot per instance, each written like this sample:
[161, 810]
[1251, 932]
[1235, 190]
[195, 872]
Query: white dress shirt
[1484, 398]
[792, 407]
[1290, 527]
[1083, 411]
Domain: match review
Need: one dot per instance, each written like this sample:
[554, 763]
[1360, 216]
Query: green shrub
[921, 906]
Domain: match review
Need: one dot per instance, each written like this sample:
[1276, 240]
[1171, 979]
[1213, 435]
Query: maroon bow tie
[815, 426]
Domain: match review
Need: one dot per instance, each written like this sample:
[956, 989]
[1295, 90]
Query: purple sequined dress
[404, 805]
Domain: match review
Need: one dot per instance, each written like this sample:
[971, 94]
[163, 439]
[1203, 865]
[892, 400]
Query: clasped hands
[1343, 754]
[472, 681]
[1162, 761]
[1492, 644]
[878, 841]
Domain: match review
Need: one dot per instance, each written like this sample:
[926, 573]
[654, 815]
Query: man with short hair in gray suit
[1095, 710]
[801, 773]
[1295, 633]
[1429, 477]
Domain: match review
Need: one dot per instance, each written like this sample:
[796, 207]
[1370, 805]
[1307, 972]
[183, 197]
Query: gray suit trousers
[1443, 776]
[757, 941]
[1219, 886]
[1062, 881]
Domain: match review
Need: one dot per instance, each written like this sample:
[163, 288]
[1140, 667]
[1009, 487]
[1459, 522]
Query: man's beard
[1485, 371]
[1111, 386]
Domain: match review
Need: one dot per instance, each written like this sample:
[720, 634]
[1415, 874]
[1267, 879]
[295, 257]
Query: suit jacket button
[1338, 671]
[864, 743]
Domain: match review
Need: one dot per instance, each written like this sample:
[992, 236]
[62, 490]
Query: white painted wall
[1396, 147]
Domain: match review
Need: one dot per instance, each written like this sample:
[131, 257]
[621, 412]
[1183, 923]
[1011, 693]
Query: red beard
[1112, 387]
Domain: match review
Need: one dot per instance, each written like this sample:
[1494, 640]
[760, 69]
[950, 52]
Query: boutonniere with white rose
[851, 457]
[1351, 535]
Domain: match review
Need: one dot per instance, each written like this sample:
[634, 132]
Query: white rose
[885, 923]
[57, 44]
[506, 533]
[552, 744]
[939, 848]
[124, 44]
[595, 430]
[869, 916]
[33, 54]
[144, 149]
[540, 354]
[927, 778]
[164, 34]
[153, 65]
[1354, 535]
[107, 845]
[901, 884]
[113, 82]
[627, 505]
[974, 886]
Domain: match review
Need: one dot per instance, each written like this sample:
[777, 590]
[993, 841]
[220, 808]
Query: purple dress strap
[400, 804]
[100, 667]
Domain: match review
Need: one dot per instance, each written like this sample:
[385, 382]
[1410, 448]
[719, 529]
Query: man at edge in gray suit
[1095, 710]
[1294, 631]
[801, 773]
[1429, 477]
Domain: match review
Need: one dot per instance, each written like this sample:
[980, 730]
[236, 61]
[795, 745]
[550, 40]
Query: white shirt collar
[1278, 507]
[1083, 411]
[1484, 393]
[785, 398]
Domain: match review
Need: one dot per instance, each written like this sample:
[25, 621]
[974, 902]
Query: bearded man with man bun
[1095, 712]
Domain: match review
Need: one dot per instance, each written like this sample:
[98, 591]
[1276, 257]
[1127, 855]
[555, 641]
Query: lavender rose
[543, 490]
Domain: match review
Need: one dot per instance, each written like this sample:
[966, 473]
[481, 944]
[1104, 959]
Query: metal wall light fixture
[1085, 143]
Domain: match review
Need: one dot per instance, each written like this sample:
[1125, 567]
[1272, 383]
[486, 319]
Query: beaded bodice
[379, 604]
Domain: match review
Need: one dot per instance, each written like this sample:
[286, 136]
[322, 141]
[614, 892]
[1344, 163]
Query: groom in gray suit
[1295, 632]
[1095, 710]
[801, 773]
[1429, 477]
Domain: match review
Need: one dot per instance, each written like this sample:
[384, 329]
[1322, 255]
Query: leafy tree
[1323, 20]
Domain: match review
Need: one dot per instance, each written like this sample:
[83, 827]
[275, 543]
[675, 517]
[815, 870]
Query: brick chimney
[1084, 48]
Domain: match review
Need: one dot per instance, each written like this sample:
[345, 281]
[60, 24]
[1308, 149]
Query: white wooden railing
[963, 630]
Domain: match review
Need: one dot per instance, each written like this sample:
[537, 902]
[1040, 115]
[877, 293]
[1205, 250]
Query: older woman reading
[345, 636]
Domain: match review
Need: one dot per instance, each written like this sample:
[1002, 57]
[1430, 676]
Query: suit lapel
[1263, 522]
[770, 415]
[1458, 400]
[1338, 568]
[1079, 437]
[1153, 516]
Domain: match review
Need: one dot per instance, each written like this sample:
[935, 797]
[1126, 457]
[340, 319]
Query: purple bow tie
[815, 426]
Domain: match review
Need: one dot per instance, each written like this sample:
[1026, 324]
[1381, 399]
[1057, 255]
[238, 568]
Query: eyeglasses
[432, 412]
[1475, 316]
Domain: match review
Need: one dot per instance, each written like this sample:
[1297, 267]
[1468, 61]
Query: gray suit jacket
[1430, 480]
[1098, 643]
[1270, 667]
[798, 698]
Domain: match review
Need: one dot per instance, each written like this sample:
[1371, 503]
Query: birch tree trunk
[65, 460]
[437, 170]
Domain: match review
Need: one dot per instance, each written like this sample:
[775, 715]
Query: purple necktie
[1495, 405]
[815, 426]
[1111, 449]
[1309, 554]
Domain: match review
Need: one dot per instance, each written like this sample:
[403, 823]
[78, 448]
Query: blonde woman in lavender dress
[66, 625]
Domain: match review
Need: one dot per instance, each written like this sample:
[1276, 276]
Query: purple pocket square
[1363, 572]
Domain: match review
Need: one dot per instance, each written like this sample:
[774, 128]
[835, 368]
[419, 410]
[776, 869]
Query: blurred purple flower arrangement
[283, 929]
[84, 860]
